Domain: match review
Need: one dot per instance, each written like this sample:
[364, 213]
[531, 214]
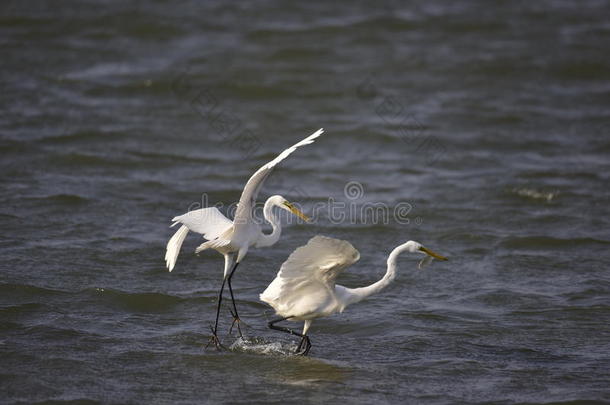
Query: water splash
[261, 346]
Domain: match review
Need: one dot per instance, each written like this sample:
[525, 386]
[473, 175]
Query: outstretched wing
[310, 270]
[207, 221]
[243, 215]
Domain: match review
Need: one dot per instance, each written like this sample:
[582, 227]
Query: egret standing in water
[305, 288]
[232, 239]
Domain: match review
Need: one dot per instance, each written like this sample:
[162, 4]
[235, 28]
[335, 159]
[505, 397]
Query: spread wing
[207, 221]
[310, 270]
[243, 215]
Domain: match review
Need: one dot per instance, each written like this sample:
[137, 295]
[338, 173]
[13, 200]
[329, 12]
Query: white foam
[261, 346]
[535, 194]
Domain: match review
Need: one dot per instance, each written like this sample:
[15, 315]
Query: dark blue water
[480, 129]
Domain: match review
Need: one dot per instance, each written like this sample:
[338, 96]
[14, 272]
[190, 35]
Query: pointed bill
[296, 211]
[431, 253]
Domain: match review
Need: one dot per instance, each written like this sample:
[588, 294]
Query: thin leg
[304, 344]
[308, 345]
[214, 339]
[301, 345]
[236, 319]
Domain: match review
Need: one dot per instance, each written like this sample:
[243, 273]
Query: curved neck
[353, 295]
[272, 238]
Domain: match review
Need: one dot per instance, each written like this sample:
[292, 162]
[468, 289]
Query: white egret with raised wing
[305, 288]
[232, 239]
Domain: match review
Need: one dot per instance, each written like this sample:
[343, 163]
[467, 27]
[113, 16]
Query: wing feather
[310, 269]
[243, 215]
[322, 258]
[207, 221]
[173, 247]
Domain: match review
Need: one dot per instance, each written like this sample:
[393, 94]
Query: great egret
[305, 288]
[232, 239]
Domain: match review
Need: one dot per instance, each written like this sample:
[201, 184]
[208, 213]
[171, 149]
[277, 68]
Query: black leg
[301, 345]
[236, 319]
[304, 344]
[308, 345]
[214, 339]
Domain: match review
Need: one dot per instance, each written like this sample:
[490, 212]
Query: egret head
[281, 202]
[416, 247]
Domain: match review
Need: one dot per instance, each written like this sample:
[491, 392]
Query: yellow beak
[431, 253]
[296, 211]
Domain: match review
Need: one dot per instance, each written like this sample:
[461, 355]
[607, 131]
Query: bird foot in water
[214, 339]
[236, 321]
[303, 347]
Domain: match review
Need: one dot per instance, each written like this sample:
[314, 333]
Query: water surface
[489, 124]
